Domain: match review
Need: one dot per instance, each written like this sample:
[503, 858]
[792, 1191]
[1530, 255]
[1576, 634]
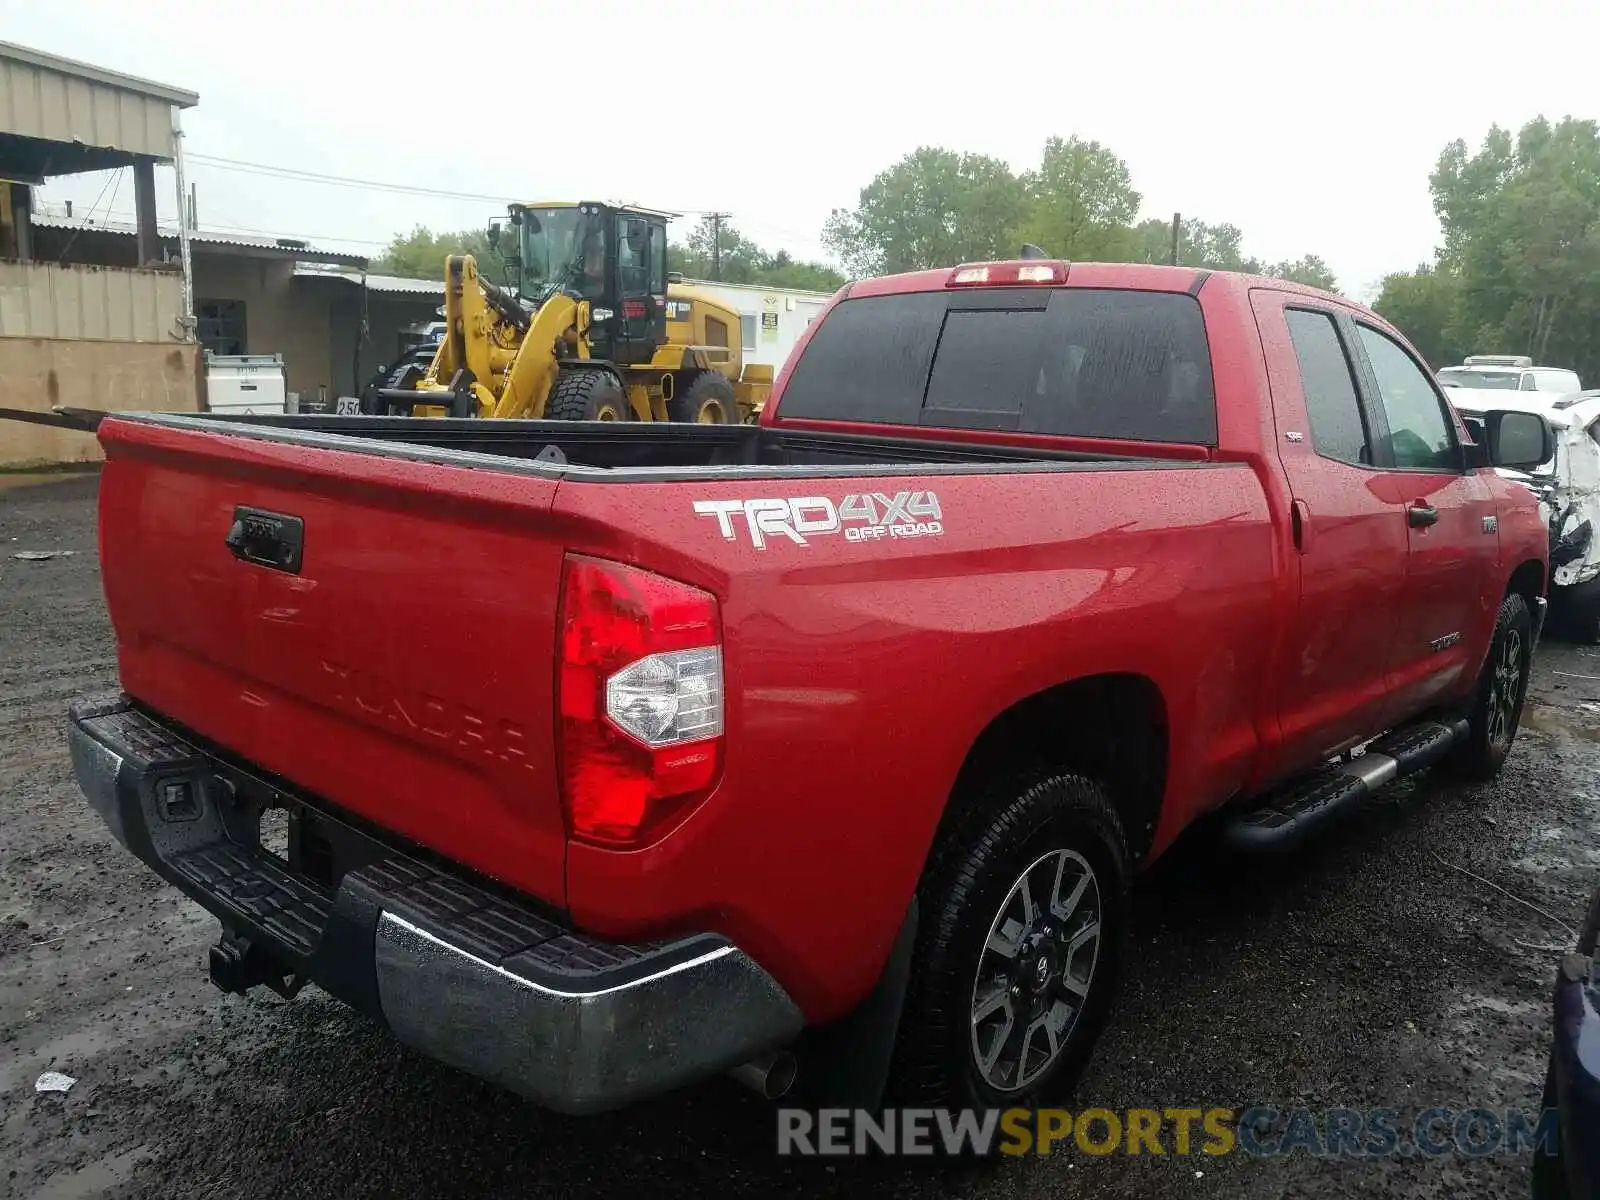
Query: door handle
[1421, 514]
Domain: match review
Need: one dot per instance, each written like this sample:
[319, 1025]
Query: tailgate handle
[268, 539]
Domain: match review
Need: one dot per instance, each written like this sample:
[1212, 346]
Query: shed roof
[225, 242]
[176, 96]
[59, 116]
[390, 284]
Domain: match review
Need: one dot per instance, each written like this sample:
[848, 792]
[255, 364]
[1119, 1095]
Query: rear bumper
[468, 975]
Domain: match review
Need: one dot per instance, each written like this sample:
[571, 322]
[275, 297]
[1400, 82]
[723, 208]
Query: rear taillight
[1008, 274]
[640, 694]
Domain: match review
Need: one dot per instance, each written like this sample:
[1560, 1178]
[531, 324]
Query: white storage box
[245, 383]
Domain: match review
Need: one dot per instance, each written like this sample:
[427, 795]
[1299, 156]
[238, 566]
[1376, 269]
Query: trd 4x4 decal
[860, 516]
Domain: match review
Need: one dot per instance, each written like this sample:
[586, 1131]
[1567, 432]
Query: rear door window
[1337, 428]
[1068, 362]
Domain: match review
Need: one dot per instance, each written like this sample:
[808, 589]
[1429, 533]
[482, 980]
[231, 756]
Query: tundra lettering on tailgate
[375, 698]
[860, 516]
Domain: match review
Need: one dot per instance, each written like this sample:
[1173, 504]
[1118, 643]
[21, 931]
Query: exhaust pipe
[771, 1076]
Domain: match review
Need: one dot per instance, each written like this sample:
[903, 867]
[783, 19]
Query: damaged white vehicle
[1568, 487]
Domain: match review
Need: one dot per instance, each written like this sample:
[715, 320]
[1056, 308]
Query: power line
[115, 177]
[294, 173]
[716, 219]
[299, 175]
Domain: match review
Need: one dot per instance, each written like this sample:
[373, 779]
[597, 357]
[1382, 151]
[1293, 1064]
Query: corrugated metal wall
[49, 300]
[38, 102]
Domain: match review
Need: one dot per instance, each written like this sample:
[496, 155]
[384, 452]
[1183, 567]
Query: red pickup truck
[616, 756]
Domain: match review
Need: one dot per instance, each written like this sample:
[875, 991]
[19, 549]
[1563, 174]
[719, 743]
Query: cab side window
[1421, 436]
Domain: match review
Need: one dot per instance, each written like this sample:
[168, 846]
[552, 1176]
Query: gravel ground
[1364, 972]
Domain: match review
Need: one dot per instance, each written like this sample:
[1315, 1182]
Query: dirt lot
[1364, 972]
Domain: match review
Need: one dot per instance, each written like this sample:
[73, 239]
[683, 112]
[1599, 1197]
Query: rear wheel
[586, 395]
[1023, 908]
[708, 400]
[1496, 710]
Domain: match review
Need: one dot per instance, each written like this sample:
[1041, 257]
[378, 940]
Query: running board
[1295, 811]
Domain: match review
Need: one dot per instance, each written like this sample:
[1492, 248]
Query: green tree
[933, 208]
[743, 261]
[1521, 223]
[1081, 203]
[1421, 304]
[739, 259]
[420, 254]
[1200, 244]
[780, 270]
[1309, 270]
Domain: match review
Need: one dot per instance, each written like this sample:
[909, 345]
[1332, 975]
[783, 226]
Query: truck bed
[655, 451]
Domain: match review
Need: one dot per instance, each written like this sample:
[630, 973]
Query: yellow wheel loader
[595, 331]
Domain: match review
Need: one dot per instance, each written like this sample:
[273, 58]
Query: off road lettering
[860, 517]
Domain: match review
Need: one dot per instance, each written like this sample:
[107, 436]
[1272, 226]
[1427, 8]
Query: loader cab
[613, 257]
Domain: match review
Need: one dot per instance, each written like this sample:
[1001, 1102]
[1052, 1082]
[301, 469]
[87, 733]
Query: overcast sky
[1310, 126]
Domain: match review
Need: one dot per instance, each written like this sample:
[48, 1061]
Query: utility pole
[716, 219]
[1177, 232]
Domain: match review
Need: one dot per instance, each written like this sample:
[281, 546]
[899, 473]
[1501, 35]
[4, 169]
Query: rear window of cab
[1067, 362]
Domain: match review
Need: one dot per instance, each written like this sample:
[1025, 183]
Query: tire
[586, 395]
[1497, 702]
[708, 400]
[1549, 1170]
[980, 1013]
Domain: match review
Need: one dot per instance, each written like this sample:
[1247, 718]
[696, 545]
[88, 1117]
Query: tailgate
[403, 668]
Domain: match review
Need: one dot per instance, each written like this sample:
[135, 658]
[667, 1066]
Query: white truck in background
[1509, 373]
[1568, 485]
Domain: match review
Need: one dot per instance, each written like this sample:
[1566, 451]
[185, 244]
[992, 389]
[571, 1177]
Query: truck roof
[1147, 277]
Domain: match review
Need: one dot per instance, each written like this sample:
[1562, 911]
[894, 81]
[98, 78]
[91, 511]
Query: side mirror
[494, 235]
[1518, 441]
[1477, 450]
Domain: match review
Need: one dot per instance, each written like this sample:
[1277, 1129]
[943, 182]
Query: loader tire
[708, 400]
[586, 395]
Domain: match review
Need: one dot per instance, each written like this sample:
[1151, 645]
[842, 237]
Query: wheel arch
[1112, 728]
[1528, 581]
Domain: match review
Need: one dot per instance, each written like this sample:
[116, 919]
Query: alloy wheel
[1505, 688]
[1035, 970]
